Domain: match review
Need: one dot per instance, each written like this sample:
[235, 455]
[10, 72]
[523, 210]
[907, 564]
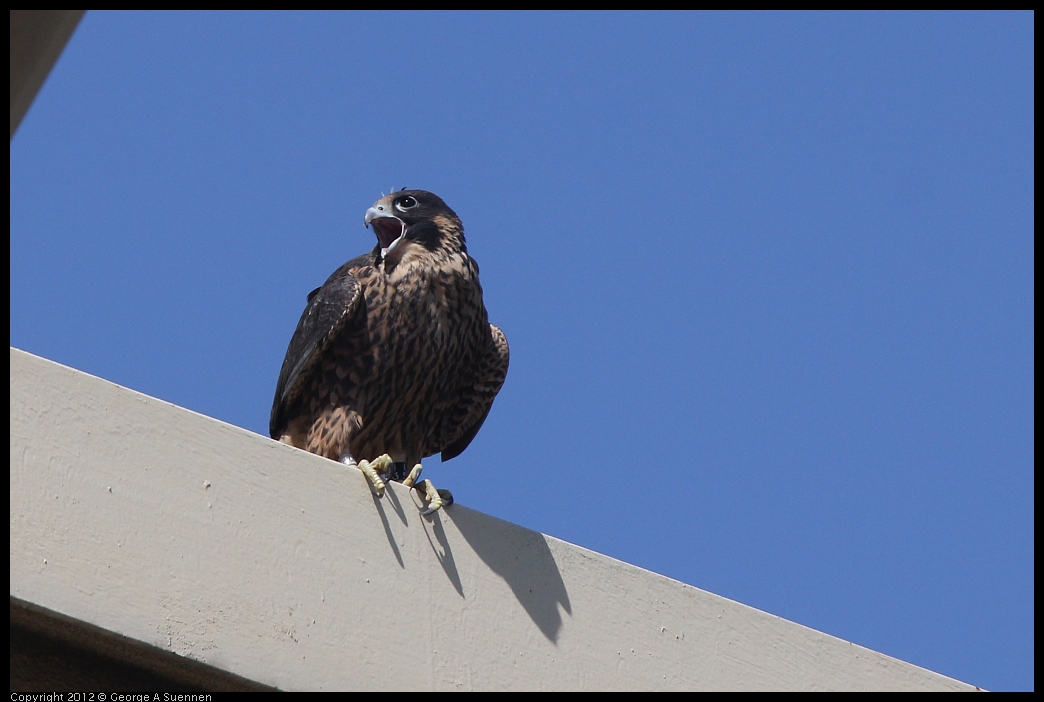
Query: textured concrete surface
[51, 652]
[201, 538]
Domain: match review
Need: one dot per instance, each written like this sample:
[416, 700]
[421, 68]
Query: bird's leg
[371, 469]
[412, 477]
[437, 499]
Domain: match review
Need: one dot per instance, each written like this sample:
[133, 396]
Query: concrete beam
[37, 40]
[50, 651]
[199, 538]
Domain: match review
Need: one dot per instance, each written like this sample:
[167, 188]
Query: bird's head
[408, 219]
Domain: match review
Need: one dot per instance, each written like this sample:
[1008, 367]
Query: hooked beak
[390, 230]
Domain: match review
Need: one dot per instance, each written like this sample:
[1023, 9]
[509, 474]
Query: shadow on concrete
[445, 555]
[522, 558]
[393, 499]
[378, 504]
[51, 651]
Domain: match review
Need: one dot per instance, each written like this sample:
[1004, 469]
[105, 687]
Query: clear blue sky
[767, 278]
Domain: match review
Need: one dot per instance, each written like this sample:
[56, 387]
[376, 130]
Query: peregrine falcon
[394, 358]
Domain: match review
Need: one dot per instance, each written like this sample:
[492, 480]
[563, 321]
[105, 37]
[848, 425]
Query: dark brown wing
[330, 307]
[476, 406]
[458, 446]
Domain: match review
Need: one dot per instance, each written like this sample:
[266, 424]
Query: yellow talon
[373, 470]
[435, 501]
[412, 477]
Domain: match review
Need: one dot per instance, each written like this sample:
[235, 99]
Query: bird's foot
[437, 499]
[412, 477]
[373, 470]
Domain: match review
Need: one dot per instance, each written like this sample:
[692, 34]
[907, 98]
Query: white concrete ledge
[200, 538]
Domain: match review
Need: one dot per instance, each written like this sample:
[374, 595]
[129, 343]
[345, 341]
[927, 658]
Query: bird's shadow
[522, 558]
[445, 555]
[378, 503]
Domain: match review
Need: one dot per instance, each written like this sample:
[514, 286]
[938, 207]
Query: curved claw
[372, 471]
[437, 499]
[412, 477]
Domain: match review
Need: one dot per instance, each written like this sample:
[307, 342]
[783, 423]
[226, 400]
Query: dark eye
[406, 203]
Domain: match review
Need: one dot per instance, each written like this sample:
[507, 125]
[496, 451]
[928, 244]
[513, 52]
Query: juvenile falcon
[394, 358]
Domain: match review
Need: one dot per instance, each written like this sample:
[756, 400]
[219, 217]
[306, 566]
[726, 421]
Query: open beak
[390, 230]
